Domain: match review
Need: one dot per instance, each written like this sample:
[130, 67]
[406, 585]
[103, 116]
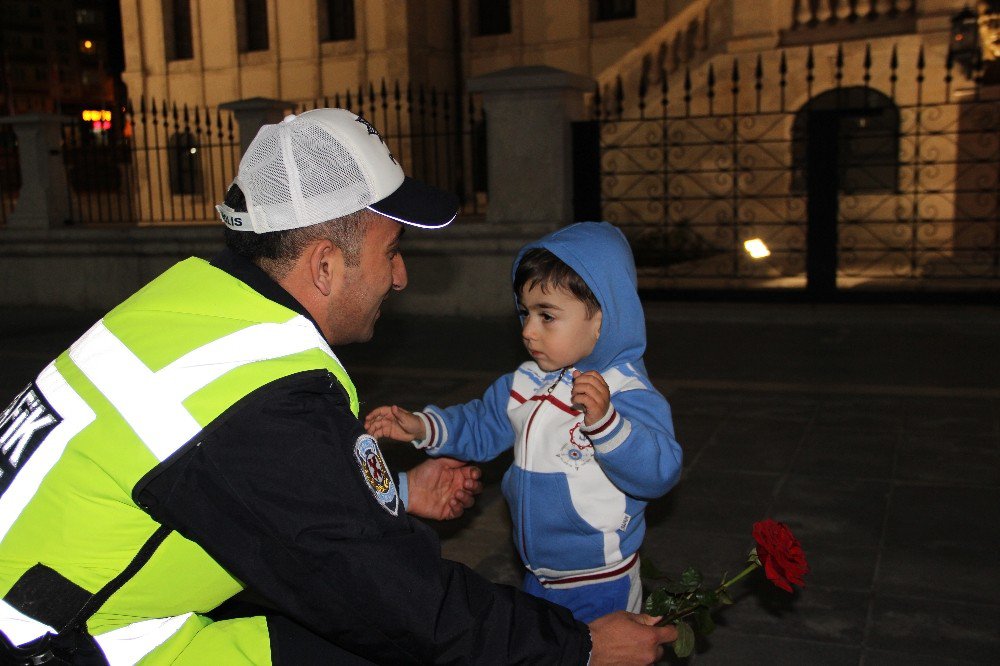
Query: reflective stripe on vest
[127, 645]
[152, 402]
[76, 415]
[18, 627]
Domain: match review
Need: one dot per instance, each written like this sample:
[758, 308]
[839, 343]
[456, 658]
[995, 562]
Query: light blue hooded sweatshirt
[576, 493]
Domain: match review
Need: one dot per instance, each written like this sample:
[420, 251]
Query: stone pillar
[252, 114]
[529, 111]
[43, 201]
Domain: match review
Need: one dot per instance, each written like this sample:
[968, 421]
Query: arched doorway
[844, 141]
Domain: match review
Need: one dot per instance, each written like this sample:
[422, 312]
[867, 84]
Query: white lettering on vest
[23, 426]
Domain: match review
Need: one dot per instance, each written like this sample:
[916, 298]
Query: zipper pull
[556, 383]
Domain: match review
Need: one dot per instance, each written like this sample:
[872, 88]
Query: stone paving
[872, 431]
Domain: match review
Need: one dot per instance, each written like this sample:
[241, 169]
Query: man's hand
[626, 638]
[442, 488]
[394, 422]
[591, 395]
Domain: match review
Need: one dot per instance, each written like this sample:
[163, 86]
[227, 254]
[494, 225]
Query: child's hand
[591, 395]
[394, 422]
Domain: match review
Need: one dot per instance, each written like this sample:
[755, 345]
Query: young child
[593, 440]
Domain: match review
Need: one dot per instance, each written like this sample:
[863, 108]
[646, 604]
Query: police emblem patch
[376, 473]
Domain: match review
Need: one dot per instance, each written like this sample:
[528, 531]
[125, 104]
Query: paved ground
[873, 431]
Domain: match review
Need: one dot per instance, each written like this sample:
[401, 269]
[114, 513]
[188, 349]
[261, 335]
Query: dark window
[251, 25]
[492, 17]
[177, 29]
[867, 126]
[612, 10]
[336, 20]
[184, 162]
[87, 17]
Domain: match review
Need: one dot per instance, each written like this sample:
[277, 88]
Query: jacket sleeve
[277, 495]
[478, 430]
[637, 429]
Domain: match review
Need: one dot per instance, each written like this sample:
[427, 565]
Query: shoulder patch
[376, 473]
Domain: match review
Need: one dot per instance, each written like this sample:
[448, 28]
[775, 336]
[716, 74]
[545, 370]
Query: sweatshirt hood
[600, 254]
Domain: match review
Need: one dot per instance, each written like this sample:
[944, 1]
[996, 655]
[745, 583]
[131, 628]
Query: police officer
[200, 444]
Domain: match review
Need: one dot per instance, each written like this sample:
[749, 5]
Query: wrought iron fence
[160, 164]
[854, 173]
[164, 163]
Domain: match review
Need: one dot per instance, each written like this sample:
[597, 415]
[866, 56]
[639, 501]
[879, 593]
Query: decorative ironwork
[853, 179]
[165, 163]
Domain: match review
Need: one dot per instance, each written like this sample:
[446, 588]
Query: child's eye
[547, 317]
[521, 312]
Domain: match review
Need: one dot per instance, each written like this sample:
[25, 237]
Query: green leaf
[674, 587]
[661, 602]
[691, 578]
[655, 602]
[753, 558]
[684, 645]
[724, 598]
[703, 623]
[709, 598]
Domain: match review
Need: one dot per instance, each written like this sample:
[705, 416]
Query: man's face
[380, 271]
[555, 329]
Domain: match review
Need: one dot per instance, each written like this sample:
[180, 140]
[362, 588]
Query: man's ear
[326, 266]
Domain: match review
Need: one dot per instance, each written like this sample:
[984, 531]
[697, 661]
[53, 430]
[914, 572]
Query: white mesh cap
[324, 164]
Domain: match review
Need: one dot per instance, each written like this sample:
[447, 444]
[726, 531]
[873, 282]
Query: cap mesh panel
[330, 182]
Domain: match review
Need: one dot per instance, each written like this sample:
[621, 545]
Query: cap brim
[418, 204]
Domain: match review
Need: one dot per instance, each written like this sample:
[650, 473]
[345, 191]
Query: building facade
[59, 56]
[853, 143]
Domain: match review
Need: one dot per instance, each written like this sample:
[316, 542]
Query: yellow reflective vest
[134, 391]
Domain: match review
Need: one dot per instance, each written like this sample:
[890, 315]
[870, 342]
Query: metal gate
[818, 171]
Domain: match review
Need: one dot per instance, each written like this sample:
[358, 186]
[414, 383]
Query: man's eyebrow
[546, 306]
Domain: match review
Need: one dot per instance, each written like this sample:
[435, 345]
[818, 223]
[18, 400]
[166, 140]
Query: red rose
[780, 553]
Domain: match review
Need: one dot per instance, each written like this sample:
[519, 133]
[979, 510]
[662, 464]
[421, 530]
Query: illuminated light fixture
[96, 115]
[756, 248]
[193, 151]
[87, 44]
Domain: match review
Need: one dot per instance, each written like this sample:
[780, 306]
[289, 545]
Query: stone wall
[461, 270]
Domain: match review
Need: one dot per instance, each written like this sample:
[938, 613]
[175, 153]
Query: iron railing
[162, 163]
[855, 174]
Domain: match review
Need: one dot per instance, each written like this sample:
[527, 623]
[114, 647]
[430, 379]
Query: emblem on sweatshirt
[578, 451]
[376, 473]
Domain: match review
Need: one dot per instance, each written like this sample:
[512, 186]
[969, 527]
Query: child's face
[556, 330]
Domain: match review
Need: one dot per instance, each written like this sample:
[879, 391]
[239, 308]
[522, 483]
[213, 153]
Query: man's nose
[399, 278]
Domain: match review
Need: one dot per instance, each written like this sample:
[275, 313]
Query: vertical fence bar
[734, 167]
[917, 166]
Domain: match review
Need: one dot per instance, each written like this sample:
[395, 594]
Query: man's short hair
[276, 251]
[540, 267]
